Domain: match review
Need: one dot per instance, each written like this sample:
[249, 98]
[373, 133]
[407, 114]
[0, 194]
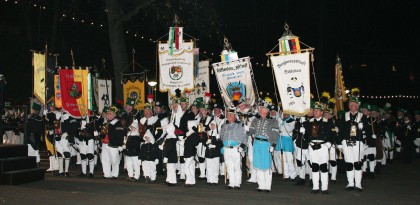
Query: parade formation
[244, 138]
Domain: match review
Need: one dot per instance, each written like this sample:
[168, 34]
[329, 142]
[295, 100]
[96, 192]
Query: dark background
[377, 41]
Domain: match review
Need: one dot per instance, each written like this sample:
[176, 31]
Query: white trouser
[190, 170]
[171, 173]
[264, 179]
[18, 138]
[62, 146]
[233, 164]
[353, 154]
[133, 166]
[303, 156]
[417, 143]
[149, 169]
[288, 163]
[34, 153]
[180, 153]
[212, 165]
[319, 158]
[333, 163]
[110, 161]
[85, 149]
[252, 171]
[8, 137]
[371, 163]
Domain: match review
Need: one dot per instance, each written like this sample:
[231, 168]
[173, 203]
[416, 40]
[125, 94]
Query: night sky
[371, 38]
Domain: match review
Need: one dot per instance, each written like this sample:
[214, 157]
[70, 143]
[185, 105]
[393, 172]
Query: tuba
[104, 128]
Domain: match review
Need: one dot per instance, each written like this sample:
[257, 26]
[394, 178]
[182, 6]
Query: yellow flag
[39, 76]
[340, 89]
[135, 91]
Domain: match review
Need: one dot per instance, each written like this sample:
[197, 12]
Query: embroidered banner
[74, 91]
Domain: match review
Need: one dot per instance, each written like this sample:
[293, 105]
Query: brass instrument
[200, 127]
[142, 129]
[353, 130]
[104, 128]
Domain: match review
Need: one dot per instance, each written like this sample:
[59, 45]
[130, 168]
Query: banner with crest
[134, 88]
[201, 81]
[74, 91]
[235, 81]
[176, 70]
[293, 82]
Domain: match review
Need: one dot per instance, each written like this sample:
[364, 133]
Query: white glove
[336, 129]
[214, 146]
[374, 136]
[246, 127]
[208, 141]
[125, 139]
[360, 125]
[165, 160]
[161, 147]
[45, 112]
[271, 149]
[409, 127]
[120, 149]
[328, 144]
[124, 147]
[181, 138]
[64, 135]
[240, 149]
[50, 132]
[156, 161]
[95, 133]
[302, 130]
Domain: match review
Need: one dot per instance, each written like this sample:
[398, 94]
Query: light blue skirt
[285, 143]
[261, 154]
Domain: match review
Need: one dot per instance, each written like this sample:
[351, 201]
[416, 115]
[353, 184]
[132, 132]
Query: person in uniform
[52, 120]
[233, 135]
[219, 120]
[301, 148]
[190, 151]
[159, 132]
[416, 130]
[370, 145]
[203, 127]
[389, 124]
[318, 130]
[265, 132]
[148, 156]
[333, 139]
[212, 154]
[353, 128]
[112, 144]
[34, 130]
[64, 143]
[170, 154]
[283, 152]
[87, 148]
[407, 137]
[132, 152]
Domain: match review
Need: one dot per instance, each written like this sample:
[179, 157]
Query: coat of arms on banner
[295, 89]
[74, 89]
[175, 72]
[237, 92]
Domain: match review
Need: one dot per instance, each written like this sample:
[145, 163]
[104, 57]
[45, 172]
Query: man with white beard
[353, 128]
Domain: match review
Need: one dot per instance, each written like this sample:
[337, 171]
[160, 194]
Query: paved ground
[397, 184]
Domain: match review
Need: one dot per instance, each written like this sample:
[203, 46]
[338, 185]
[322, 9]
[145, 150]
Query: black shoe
[55, 173]
[114, 178]
[358, 189]
[81, 174]
[314, 191]
[237, 188]
[188, 185]
[90, 175]
[333, 181]
[229, 187]
[60, 174]
[349, 188]
[208, 183]
[147, 180]
[267, 191]
[325, 192]
[260, 190]
[170, 184]
[66, 174]
[152, 181]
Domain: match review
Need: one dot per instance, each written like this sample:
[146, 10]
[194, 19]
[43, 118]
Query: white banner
[293, 82]
[103, 97]
[202, 81]
[236, 83]
[176, 71]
